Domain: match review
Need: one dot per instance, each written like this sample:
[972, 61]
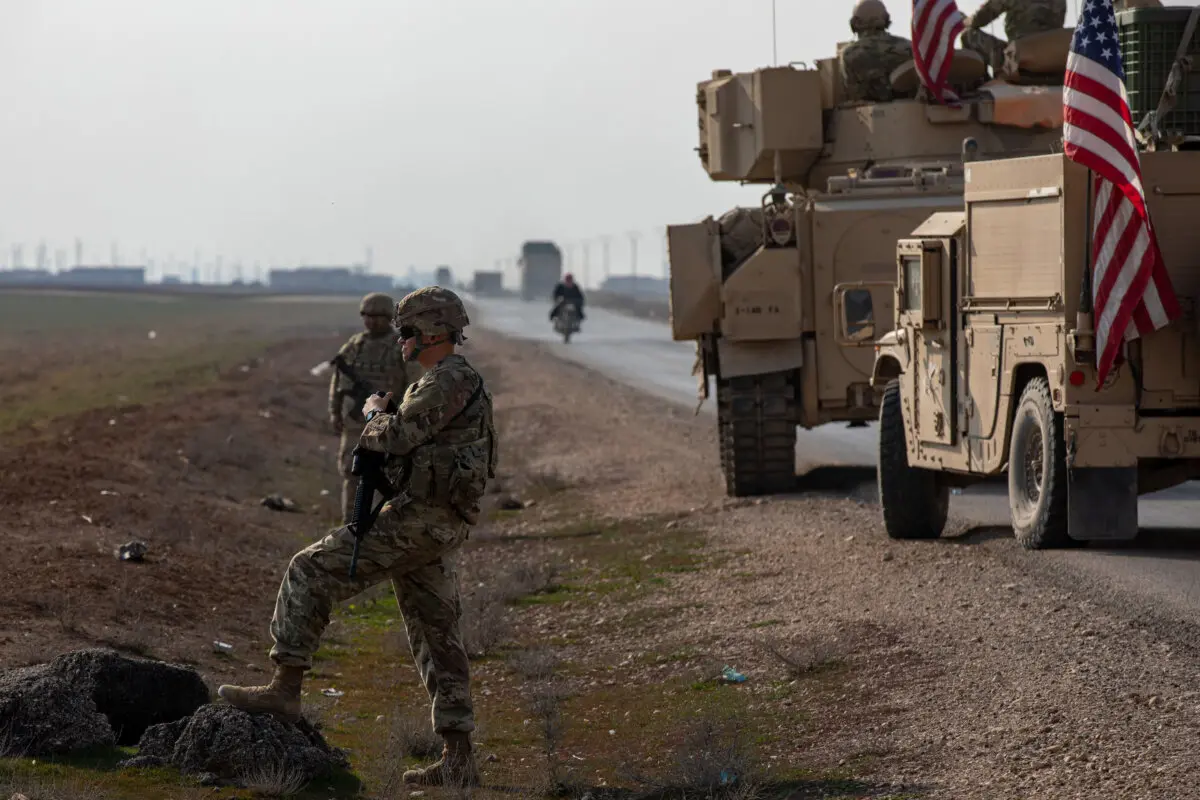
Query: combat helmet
[432, 310]
[870, 15]
[376, 304]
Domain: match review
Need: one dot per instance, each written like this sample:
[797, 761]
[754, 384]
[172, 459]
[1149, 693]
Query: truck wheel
[915, 501]
[1037, 471]
[756, 417]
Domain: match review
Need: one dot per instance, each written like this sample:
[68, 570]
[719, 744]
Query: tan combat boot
[456, 767]
[281, 697]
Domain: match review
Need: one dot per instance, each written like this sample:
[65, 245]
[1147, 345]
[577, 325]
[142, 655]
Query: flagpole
[1084, 324]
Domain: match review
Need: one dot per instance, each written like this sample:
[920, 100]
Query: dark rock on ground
[91, 697]
[43, 714]
[133, 693]
[235, 745]
[277, 502]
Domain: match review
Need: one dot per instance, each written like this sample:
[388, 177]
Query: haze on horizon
[438, 133]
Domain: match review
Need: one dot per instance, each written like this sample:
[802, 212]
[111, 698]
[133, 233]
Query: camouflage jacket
[379, 361]
[1021, 17]
[867, 65]
[442, 438]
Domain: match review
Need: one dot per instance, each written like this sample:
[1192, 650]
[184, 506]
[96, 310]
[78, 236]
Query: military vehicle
[784, 300]
[541, 269]
[991, 367]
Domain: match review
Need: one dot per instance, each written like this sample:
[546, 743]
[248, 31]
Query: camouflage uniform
[867, 65]
[379, 361]
[1021, 18]
[444, 431]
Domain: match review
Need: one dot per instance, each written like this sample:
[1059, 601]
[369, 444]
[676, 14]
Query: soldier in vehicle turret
[868, 62]
[1021, 18]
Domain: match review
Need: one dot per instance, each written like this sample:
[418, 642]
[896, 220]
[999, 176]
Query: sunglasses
[409, 332]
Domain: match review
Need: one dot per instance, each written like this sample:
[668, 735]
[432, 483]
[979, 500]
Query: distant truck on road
[541, 269]
[488, 283]
[444, 277]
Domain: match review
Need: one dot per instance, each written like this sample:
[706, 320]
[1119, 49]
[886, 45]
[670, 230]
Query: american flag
[1131, 292]
[935, 26]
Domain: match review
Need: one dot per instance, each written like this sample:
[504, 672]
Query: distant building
[642, 286]
[24, 277]
[102, 276]
[328, 280]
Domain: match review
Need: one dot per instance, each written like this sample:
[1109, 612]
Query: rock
[44, 713]
[509, 503]
[277, 502]
[131, 551]
[92, 697]
[231, 745]
[134, 693]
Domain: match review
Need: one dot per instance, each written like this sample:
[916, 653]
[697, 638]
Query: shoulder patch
[424, 396]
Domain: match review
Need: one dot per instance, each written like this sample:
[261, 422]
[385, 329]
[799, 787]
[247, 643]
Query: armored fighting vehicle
[785, 300]
[992, 366]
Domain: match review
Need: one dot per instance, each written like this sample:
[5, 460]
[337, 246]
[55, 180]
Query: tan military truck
[785, 300]
[991, 366]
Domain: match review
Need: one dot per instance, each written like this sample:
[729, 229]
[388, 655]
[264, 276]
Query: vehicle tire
[756, 418]
[1037, 471]
[915, 501]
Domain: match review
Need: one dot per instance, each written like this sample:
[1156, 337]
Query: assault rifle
[367, 466]
[359, 390]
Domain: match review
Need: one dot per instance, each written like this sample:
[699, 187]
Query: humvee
[784, 300]
[992, 364]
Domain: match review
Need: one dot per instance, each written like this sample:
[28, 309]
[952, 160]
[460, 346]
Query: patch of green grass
[551, 595]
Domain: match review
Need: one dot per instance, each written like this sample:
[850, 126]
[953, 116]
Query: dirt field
[604, 598]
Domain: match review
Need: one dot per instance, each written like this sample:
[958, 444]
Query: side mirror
[854, 308]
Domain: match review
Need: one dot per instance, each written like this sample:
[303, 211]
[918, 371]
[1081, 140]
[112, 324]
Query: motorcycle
[567, 322]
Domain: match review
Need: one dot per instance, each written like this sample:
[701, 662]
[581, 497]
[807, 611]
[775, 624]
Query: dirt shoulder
[605, 595]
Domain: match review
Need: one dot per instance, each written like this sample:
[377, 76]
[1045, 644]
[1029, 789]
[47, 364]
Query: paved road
[1164, 568]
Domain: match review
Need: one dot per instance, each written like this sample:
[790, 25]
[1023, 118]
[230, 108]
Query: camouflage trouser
[416, 548]
[350, 436]
[988, 46]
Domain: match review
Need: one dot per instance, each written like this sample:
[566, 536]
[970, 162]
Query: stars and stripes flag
[935, 26]
[1131, 292]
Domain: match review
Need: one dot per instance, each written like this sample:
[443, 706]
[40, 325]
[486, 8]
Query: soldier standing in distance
[1021, 18]
[441, 445]
[868, 62]
[375, 356]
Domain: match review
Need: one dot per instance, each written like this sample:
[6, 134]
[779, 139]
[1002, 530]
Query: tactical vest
[453, 467]
[379, 362]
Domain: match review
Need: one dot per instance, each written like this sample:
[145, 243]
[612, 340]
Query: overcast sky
[441, 131]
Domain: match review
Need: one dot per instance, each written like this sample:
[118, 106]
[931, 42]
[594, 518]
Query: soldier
[868, 62]
[441, 452]
[1021, 18]
[374, 355]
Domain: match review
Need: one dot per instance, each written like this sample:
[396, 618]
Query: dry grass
[412, 736]
[714, 760]
[485, 622]
[808, 656]
[273, 780]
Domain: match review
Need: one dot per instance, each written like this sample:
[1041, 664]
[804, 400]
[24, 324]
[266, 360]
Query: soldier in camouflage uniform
[441, 447]
[1021, 18]
[868, 62]
[374, 355]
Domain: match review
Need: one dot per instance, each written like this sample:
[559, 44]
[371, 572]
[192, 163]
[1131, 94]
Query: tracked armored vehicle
[784, 300]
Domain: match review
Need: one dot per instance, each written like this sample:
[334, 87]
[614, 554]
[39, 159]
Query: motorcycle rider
[567, 291]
